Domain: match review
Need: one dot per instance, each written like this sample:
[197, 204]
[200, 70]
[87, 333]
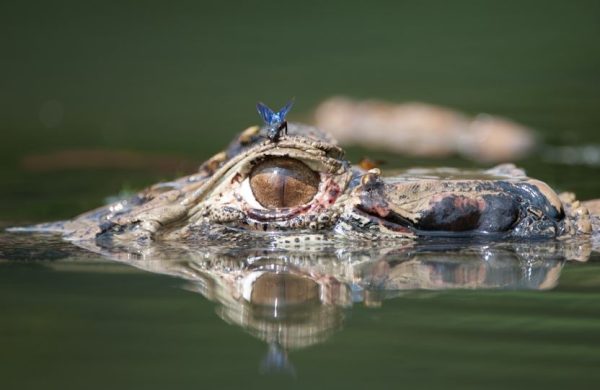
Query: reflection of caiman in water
[293, 299]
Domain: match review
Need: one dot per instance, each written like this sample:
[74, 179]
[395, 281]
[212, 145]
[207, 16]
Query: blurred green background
[183, 77]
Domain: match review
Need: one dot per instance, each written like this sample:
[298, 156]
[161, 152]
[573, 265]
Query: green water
[181, 80]
[82, 321]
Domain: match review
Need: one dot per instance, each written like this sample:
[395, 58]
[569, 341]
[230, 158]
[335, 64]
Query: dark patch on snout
[501, 213]
[528, 193]
[456, 213]
[452, 213]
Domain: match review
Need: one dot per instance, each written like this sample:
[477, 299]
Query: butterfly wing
[283, 112]
[265, 113]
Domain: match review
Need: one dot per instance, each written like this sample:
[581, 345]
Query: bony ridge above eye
[282, 182]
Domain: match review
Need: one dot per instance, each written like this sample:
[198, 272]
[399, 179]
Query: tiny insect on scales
[274, 121]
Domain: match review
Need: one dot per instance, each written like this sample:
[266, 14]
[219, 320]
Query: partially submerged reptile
[299, 189]
[218, 229]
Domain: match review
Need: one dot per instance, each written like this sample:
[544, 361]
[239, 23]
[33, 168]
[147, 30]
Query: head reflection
[293, 299]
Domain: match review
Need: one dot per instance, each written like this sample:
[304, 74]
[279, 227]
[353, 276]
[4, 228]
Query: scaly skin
[216, 203]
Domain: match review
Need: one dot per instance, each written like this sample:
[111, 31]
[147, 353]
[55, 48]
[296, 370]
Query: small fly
[274, 121]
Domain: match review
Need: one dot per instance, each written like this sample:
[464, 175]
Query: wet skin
[301, 190]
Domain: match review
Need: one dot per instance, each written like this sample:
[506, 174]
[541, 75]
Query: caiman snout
[459, 206]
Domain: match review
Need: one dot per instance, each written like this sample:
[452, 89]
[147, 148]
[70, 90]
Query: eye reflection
[283, 182]
[273, 289]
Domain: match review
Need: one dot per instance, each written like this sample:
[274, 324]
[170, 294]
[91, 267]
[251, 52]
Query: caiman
[299, 189]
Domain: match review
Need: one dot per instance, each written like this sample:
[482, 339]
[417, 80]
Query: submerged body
[301, 189]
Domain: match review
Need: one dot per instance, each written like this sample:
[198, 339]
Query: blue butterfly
[274, 121]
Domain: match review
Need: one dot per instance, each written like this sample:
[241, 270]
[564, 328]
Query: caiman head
[301, 189]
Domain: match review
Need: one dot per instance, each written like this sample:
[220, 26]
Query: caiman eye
[283, 182]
